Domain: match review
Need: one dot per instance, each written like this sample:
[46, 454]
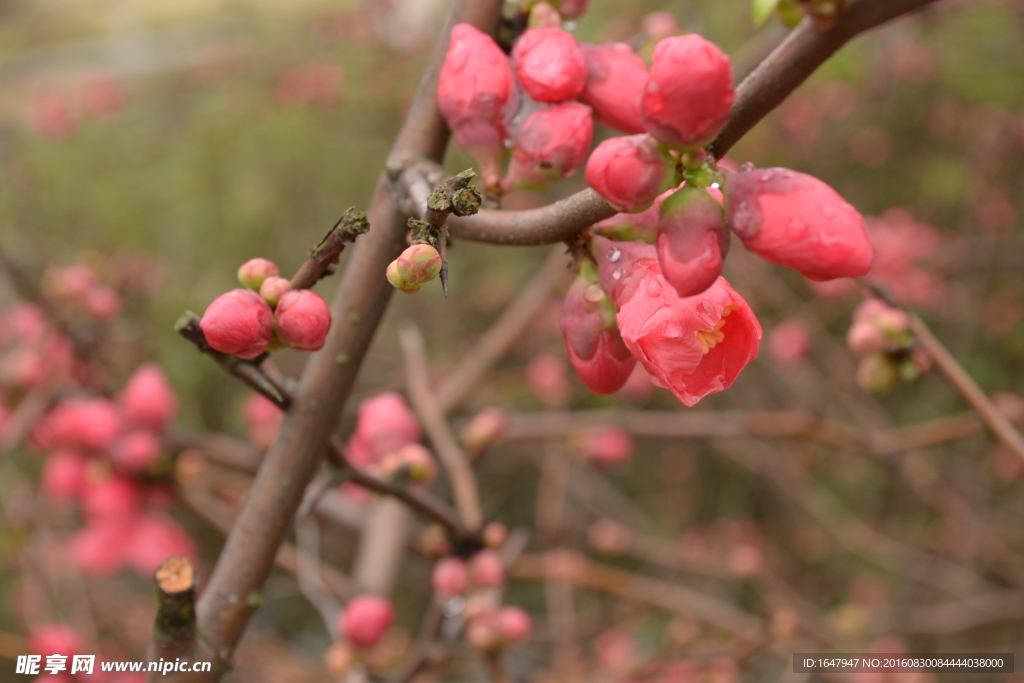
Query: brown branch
[325, 255]
[804, 50]
[456, 464]
[174, 628]
[327, 379]
[671, 597]
[499, 338]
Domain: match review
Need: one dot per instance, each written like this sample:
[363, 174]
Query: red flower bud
[515, 624]
[797, 221]
[450, 577]
[273, 288]
[692, 240]
[789, 341]
[550, 144]
[615, 85]
[591, 339]
[630, 172]
[475, 93]
[91, 424]
[253, 272]
[484, 429]
[549, 64]
[263, 420]
[148, 400]
[486, 570]
[238, 322]
[689, 92]
[605, 446]
[136, 451]
[384, 424]
[366, 619]
[302, 319]
[103, 302]
[571, 9]
[413, 461]
[416, 266]
[98, 549]
[152, 539]
[693, 346]
[115, 500]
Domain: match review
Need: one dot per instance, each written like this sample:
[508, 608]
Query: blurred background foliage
[191, 135]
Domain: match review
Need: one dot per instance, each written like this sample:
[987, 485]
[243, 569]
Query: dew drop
[653, 288]
[766, 176]
[714, 186]
[593, 293]
[617, 274]
[614, 254]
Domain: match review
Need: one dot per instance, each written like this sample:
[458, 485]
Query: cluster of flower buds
[881, 336]
[386, 441]
[94, 448]
[265, 314]
[79, 289]
[489, 626]
[59, 113]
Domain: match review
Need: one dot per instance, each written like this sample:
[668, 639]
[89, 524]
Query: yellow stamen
[709, 339]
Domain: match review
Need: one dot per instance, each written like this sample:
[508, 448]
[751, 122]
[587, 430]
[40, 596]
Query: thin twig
[325, 255]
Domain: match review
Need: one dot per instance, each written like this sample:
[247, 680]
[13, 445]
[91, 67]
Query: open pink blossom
[592, 341]
[615, 83]
[692, 346]
[797, 221]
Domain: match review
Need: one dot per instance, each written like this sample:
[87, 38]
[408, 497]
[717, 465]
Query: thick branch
[362, 297]
[804, 50]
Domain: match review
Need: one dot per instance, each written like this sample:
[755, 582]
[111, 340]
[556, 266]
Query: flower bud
[136, 451]
[384, 424]
[152, 539]
[253, 272]
[148, 400]
[615, 85]
[98, 549]
[103, 302]
[592, 340]
[495, 534]
[91, 424]
[395, 278]
[877, 373]
[55, 639]
[604, 446]
[486, 570]
[797, 221]
[484, 429]
[302, 319]
[547, 378]
[630, 172]
[549, 64]
[549, 145]
[116, 499]
[571, 9]
[339, 658]
[543, 14]
[692, 240]
[366, 619]
[475, 92]
[238, 322]
[515, 624]
[450, 577]
[412, 461]
[484, 632]
[419, 264]
[263, 420]
[610, 538]
[789, 341]
[273, 288]
[689, 91]
[63, 474]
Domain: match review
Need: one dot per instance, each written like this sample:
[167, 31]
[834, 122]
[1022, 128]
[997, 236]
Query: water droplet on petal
[766, 176]
[614, 254]
[653, 288]
[714, 186]
[617, 274]
[593, 293]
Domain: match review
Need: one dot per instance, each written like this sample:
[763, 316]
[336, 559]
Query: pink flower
[789, 341]
[605, 446]
[303, 320]
[591, 339]
[629, 172]
[63, 474]
[148, 400]
[103, 302]
[902, 244]
[55, 639]
[152, 540]
[549, 64]
[797, 221]
[615, 83]
[546, 376]
[692, 346]
[692, 240]
[102, 97]
[515, 624]
[450, 577]
[136, 451]
[689, 92]
[263, 420]
[486, 570]
[366, 619]
[549, 145]
[98, 549]
[384, 425]
[115, 500]
[88, 423]
[475, 93]
[239, 322]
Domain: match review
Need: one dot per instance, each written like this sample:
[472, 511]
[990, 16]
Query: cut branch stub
[174, 628]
